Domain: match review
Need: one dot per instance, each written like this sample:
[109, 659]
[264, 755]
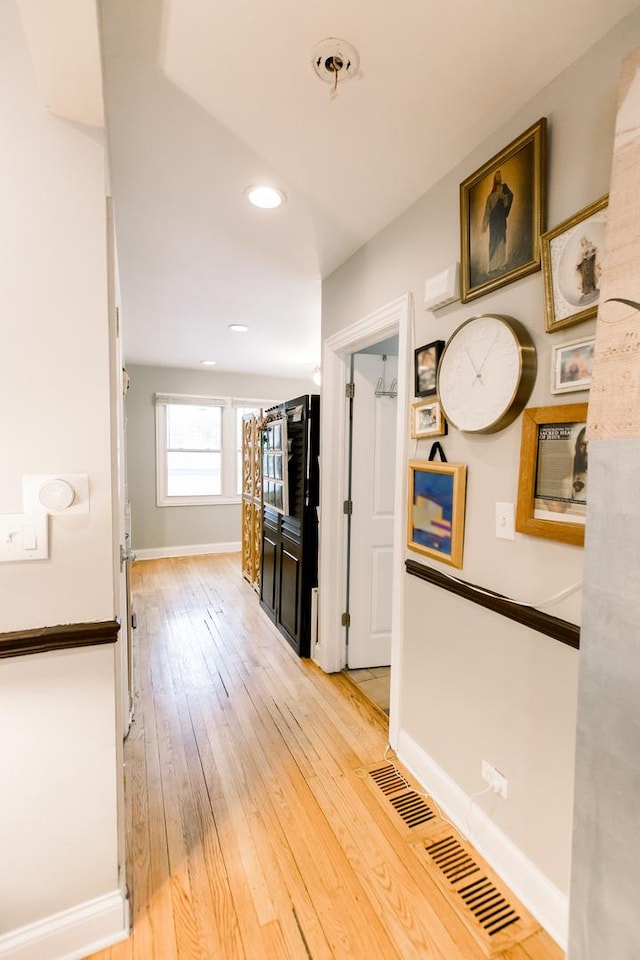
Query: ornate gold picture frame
[502, 215]
[572, 262]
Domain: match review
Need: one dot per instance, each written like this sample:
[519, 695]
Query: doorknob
[126, 555]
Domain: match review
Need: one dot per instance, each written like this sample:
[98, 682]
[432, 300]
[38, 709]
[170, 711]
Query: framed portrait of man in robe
[503, 215]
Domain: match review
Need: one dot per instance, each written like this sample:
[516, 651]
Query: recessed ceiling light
[238, 327]
[267, 198]
[208, 363]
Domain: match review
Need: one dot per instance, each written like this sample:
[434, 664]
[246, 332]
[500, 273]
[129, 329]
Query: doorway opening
[330, 649]
[371, 485]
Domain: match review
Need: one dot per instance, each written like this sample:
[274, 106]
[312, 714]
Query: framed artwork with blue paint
[436, 503]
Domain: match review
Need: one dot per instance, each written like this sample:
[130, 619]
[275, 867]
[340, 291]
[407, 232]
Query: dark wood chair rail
[561, 630]
[20, 643]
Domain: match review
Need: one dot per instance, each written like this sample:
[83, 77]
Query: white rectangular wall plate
[24, 536]
[505, 521]
[33, 483]
[496, 780]
[442, 289]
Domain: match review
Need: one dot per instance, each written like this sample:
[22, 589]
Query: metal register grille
[496, 921]
[487, 904]
[409, 805]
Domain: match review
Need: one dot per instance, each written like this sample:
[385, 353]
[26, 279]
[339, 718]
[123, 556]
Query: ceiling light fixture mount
[335, 61]
[238, 327]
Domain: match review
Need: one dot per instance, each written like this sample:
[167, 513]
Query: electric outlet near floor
[496, 780]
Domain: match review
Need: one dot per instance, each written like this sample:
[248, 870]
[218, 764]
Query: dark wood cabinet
[289, 556]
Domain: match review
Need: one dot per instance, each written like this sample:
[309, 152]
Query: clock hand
[475, 369]
[486, 356]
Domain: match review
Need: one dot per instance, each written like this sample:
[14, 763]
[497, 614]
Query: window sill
[197, 501]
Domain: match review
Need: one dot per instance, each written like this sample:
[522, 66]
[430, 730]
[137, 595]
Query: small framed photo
[572, 262]
[427, 419]
[572, 365]
[435, 519]
[552, 485]
[427, 359]
[502, 215]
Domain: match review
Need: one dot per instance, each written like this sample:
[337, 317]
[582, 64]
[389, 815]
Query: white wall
[57, 783]
[57, 750]
[474, 685]
[156, 527]
[54, 384]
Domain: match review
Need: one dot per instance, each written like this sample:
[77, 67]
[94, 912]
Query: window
[199, 448]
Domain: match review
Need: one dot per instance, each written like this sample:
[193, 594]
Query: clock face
[486, 373]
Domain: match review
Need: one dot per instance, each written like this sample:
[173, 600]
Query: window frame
[231, 409]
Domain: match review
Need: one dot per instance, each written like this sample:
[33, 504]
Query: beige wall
[474, 685]
[57, 782]
[54, 386]
[57, 748]
[156, 527]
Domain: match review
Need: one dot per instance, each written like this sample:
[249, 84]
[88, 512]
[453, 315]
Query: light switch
[24, 536]
[505, 521]
[29, 537]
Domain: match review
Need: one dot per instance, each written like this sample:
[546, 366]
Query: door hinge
[347, 507]
[349, 390]
[345, 620]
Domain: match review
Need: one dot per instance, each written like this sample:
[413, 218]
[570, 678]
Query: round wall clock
[486, 373]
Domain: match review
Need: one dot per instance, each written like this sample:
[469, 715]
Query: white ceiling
[206, 98]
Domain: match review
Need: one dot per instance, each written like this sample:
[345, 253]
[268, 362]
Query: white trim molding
[229, 449]
[329, 651]
[71, 934]
[545, 901]
[194, 550]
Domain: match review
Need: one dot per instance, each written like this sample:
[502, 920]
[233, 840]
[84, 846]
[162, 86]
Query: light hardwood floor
[253, 830]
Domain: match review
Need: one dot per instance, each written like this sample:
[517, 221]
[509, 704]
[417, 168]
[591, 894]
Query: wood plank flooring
[252, 832]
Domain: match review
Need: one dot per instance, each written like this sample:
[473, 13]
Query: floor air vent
[412, 808]
[468, 883]
[492, 911]
[452, 859]
[388, 779]
[497, 922]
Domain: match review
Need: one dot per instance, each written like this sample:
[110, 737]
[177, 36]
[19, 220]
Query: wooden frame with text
[552, 486]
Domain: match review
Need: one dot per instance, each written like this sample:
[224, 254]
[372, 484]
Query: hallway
[253, 827]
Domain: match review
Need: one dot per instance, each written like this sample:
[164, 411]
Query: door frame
[119, 523]
[329, 651]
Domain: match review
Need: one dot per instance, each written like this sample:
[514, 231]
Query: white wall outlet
[505, 521]
[496, 780]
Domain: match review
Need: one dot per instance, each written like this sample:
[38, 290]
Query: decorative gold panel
[251, 500]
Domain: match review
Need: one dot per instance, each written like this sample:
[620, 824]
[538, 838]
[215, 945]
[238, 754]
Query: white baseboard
[72, 934]
[195, 550]
[547, 904]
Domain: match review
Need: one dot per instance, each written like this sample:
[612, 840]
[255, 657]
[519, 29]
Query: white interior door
[372, 493]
